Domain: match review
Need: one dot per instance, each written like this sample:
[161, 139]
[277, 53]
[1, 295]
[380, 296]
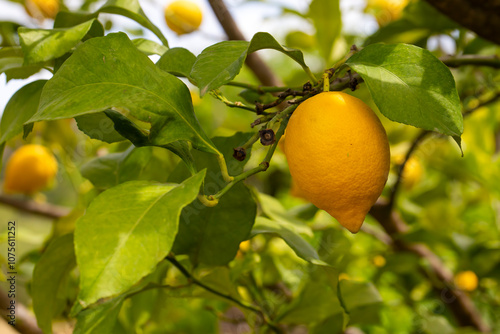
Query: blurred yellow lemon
[338, 155]
[40, 9]
[31, 168]
[379, 261]
[183, 16]
[466, 280]
[386, 11]
[412, 173]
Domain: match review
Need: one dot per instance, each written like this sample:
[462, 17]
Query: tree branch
[458, 302]
[187, 274]
[423, 134]
[42, 209]
[25, 321]
[254, 62]
[482, 17]
[477, 60]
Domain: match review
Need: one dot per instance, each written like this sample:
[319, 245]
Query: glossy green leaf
[149, 47]
[177, 61]
[143, 163]
[110, 71]
[218, 64]
[41, 45]
[211, 235]
[328, 23]
[132, 9]
[98, 126]
[263, 40]
[21, 106]
[125, 232]
[410, 85]
[101, 318]
[50, 281]
[285, 231]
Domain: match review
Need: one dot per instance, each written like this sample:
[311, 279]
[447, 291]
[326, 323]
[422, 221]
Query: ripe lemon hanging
[183, 16]
[29, 169]
[41, 9]
[338, 154]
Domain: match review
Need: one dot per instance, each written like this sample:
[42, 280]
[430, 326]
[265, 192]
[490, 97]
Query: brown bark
[482, 17]
[42, 209]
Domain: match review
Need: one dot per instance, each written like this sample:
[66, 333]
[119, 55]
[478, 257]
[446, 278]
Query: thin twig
[42, 209]
[238, 302]
[476, 60]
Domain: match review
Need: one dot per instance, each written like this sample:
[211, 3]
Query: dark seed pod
[307, 87]
[239, 153]
[267, 137]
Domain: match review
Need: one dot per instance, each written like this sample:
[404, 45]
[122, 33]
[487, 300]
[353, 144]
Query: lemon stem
[310, 74]
[223, 168]
[264, 165]
[326, 82]
[208, 200]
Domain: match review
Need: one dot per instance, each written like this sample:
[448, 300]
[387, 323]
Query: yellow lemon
[466, 280]
[412, 172]
[386, 11]
[183, 16]
[338, 155]
[29, 169]
[40, 9]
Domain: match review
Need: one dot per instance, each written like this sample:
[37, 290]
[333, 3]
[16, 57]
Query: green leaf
[8, 33]
[328, 23]
[11, 57]
[362, 301]
[109, 71]
[21, 106]
[99, 319]
[211, 235]
[41, 45]
[410, 85]
[299, 245]
[128, 129]
[149, 47]
[177, 61]
[263, 40]
[218, 64]
[143, 163]
[132, 9]
[317, 300]
[50, 281]
[125, 232]
[98, 126]
[12, 64]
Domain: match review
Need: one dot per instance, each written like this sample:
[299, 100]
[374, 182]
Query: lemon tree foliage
[411, 86]
[187, 197]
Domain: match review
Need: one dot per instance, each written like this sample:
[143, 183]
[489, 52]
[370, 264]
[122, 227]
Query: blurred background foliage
[451, 203]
